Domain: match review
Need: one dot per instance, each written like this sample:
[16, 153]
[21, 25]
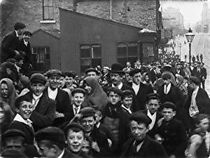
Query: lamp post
[190, 36]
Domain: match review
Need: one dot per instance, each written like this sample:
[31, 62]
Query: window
[48, 9]
[148, 52]
[90, 56]
[127, 52]
[41, 58]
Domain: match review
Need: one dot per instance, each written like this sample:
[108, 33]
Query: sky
[190, 10]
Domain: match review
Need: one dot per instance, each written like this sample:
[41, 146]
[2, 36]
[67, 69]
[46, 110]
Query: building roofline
[102, 19]
[46, 32]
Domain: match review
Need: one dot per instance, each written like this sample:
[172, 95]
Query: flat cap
[115, 90]
[195, 80]
[19, 25]
[38, 78]
[152, 96]
[27, 33]
[91, 70]
[169, 105]
[53, 134]
[53, 72]
[140, 118]
[13, 133]
[78, 90]
[134, 71]
[87, 112]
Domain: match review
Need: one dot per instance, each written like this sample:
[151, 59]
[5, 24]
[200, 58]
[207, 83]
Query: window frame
[47, 6]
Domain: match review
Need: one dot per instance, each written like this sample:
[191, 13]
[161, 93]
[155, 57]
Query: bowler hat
[117, 68]
[38, 78]
[19, 25]
[53, 134]
[195, 80]
[140, 118]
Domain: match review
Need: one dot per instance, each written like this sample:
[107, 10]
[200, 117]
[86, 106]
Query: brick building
[45, 15]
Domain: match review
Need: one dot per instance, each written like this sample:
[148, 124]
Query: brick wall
[139, 13]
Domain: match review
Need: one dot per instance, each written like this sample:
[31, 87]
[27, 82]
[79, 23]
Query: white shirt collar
[168, 88]
[135, 87]
[153, 118]
[52, 93]
[119, 86]
[127, 109]
[36, 99]
[16, 33]
[25, 42]
[19, 118]
[61, 155]
[78, 109]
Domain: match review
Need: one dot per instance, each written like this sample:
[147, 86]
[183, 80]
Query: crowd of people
[155, 110]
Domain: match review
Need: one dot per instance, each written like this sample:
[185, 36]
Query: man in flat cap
[11, 42]
[63, 110]
[51, 143]
[44, 112]
[91, 72]
[141, 90]
[140, 144]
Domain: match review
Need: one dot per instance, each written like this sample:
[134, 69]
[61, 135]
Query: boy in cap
[91, 72]
[44, 107]
[140, 145]
[25, 50]
[11, 42]
[63, 110]
[51, 143]
[99, 140]
[171, 132]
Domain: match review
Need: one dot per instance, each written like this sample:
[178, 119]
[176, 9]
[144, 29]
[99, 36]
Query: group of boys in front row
[44, 127]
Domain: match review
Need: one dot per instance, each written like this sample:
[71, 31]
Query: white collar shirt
[167, 88]
[136, 88]
[52, 93]
[153, 118]
[119, 86]
[19, 118]
[76, 109]
[36, 99]
[61, 155]
[127, 109]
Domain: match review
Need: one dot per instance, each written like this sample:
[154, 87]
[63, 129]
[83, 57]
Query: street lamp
[190, 36]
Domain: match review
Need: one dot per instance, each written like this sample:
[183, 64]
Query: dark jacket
[174, 137]
[141, 97]
[44, 113]
[9, 44]
[149, 149]
[62, 106]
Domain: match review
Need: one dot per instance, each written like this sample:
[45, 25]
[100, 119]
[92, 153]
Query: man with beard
[141, 145]
[63, 110]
